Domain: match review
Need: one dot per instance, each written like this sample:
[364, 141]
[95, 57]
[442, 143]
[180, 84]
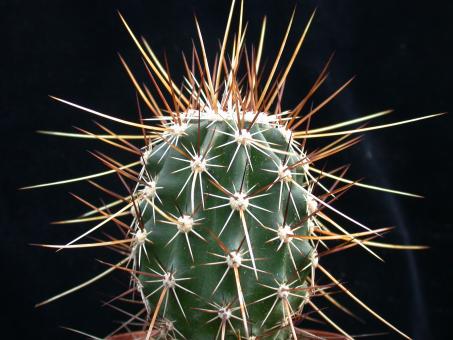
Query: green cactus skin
[257, 180]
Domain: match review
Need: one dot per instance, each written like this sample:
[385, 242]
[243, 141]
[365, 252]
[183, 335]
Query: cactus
[226, 214]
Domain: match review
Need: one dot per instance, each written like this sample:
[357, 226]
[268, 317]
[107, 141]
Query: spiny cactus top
[227, 213]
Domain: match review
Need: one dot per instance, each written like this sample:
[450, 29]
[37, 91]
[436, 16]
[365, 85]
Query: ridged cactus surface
[221, 210]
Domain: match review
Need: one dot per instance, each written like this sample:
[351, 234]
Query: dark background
[401, 54]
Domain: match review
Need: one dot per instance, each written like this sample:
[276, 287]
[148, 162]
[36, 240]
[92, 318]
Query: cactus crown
[229, 213]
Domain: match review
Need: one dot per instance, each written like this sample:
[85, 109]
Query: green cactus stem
[232, 195]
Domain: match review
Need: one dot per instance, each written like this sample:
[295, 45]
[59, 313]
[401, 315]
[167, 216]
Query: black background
[401, 54]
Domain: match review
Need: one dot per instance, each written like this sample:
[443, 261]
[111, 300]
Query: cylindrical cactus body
[221, 210]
